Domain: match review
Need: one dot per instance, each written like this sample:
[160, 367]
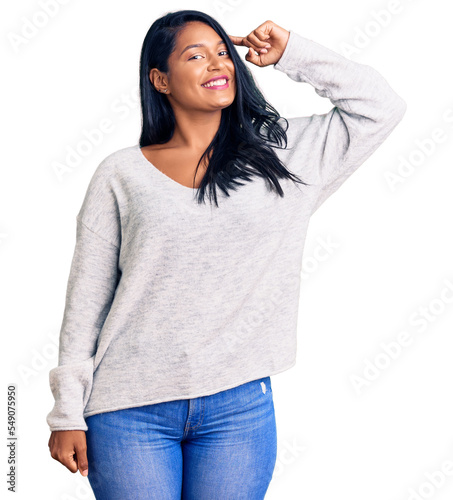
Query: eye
[193, 57]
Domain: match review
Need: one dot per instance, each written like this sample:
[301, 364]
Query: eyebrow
[220, 42]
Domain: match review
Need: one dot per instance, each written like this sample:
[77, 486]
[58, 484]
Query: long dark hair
[239, 149]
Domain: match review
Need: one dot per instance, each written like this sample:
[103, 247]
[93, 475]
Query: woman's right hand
[70, 448]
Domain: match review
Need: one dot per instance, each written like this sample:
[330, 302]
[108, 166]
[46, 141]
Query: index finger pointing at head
[237, 40]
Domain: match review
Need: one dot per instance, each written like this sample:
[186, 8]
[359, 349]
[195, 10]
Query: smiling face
[200, 55]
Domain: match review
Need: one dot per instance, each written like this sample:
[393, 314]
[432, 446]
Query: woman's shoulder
[118, 157]
[115, 164]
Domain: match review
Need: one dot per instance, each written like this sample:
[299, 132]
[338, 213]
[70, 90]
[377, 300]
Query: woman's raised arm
[327, 148]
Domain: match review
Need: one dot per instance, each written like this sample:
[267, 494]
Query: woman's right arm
[91, 286]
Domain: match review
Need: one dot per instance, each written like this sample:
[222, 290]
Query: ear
[157, 78]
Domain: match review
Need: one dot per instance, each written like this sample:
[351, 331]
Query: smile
[221, 83]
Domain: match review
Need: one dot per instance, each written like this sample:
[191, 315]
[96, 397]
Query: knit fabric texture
[170, 299]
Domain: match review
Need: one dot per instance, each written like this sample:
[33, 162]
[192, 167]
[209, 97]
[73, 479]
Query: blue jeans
[217, 447]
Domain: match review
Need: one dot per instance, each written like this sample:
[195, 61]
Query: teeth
[222, 81]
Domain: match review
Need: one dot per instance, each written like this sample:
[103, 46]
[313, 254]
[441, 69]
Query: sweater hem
[192, 396]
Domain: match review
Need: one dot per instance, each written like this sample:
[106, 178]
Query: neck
[195, 131]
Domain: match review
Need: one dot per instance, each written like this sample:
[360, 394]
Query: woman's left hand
[269, 40]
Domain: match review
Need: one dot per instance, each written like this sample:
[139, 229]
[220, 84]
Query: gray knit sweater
[169, 299]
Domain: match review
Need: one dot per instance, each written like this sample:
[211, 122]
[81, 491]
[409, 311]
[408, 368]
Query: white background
[390, 264]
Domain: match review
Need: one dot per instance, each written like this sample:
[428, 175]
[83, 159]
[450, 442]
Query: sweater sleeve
[91, 286]
[325, 149]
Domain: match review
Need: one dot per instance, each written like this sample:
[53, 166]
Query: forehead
[196, 32]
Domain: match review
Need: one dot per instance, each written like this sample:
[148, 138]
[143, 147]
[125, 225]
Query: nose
[215, 64]
[215, 61]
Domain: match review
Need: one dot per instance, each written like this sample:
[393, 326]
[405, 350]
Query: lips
[216, 78]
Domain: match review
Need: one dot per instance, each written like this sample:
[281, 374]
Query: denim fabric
[217, 447]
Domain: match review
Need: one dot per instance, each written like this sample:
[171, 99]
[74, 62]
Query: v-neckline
[165, 177]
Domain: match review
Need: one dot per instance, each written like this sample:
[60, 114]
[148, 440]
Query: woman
[179, 310]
